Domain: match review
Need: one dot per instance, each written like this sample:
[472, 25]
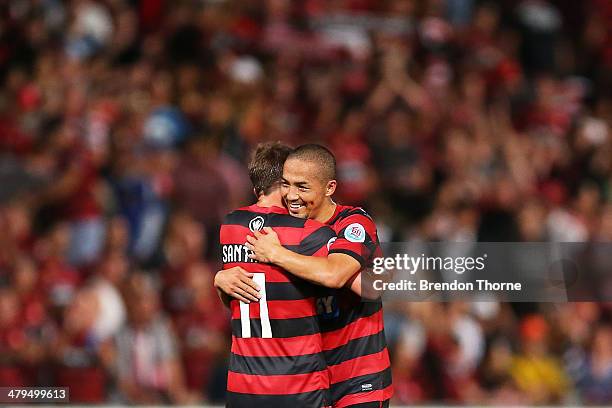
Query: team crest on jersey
[355, 233]
[257, 223]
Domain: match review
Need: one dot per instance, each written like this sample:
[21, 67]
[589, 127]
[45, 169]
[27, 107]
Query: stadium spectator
[595, 379]
[105, 285]
[76, 349]
[536, 372]
[147, 364]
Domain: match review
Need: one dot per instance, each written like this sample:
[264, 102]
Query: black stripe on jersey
[313, 242]
[357, 348]
[311, 399]
[244, 217]
[285, 365]
[301, 326]
[350, 253]
[348, 212]
[286, 220]
[359, 211]
[339, 216]
[361, 309]
[379, 381]
[294, 290]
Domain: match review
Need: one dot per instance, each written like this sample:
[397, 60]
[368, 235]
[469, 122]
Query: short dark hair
[266, 165]
[318, 154]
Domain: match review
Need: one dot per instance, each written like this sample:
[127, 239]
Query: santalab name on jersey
[236, 253]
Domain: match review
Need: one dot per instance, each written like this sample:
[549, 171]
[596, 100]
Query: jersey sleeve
[356, 237]
[315, 240]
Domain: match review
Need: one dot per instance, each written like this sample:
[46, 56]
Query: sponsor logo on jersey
[355, 233]
[366, 387]
[327, 308]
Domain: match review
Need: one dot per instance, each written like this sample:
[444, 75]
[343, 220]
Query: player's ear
[330, 188]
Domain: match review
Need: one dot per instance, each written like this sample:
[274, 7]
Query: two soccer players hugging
[301, 334]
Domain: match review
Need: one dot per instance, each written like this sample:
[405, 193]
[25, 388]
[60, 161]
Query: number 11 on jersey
[245, 319]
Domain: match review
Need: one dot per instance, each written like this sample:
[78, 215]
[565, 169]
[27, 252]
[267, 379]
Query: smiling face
[304, 189]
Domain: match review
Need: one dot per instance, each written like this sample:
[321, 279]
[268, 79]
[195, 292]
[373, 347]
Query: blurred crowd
[124, 131]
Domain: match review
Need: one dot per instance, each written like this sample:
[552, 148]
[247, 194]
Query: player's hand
[264, 245]
[238, 283]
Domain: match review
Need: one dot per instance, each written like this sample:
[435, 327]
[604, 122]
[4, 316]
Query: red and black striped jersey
[354, 337]
[277, 352]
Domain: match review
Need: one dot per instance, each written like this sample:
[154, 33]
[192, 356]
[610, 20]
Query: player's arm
[356, 286]
[236, 283]
[333, 271]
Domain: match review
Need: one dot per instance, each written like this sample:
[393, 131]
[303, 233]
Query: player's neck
[270, 200]
[326, 211]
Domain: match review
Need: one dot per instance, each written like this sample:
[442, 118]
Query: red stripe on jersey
[277, 347]
[323, 251]
[273, 273]
[291, 309]
[281, 309]
[233, 234]
[372, 363]
[364, 326]
[277, 384]
[362, 397]
[292, 235]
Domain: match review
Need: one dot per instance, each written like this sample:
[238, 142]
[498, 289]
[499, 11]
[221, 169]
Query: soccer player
[353, 330]
[276, 357]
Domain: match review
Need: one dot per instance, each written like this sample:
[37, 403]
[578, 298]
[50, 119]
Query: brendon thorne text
[425, 285]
